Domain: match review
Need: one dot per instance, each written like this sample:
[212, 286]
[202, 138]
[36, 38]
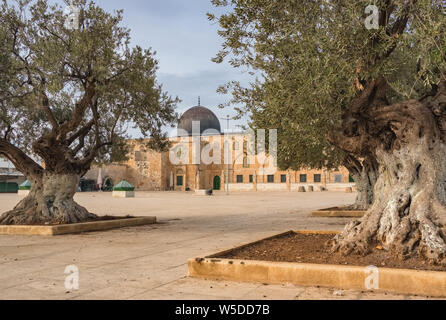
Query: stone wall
[146, 165]
[116, 172]
[151, 171]
[143, 170]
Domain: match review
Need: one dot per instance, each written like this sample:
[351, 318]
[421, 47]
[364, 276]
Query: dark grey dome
[208, 120]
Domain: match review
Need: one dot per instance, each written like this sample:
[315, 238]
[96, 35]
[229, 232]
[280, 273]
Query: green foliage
[312, 57]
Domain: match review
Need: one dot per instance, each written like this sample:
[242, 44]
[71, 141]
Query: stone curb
[75, 227]
[400, 281]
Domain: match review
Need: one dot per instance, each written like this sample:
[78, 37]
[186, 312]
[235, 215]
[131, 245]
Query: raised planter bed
[315, 269]
[338, 213]
[54, 230]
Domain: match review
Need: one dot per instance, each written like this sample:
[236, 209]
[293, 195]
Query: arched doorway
[108, 184]
[216, 183]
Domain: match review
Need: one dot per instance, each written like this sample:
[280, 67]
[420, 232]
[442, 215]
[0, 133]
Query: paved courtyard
[149, 262]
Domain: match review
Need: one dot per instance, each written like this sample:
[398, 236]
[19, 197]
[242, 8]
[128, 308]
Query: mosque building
[232, 167]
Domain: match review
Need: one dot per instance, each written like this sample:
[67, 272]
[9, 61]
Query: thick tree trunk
[364, 188]
[408, 214]
[365, 175]
[50, 201]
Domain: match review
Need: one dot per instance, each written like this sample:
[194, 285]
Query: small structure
[123, 190]
[24, 188]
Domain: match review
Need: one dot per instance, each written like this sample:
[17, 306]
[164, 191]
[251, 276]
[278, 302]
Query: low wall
[284, 187]
[240, 187]
[328, 186]
[272, 187]
[340, 186]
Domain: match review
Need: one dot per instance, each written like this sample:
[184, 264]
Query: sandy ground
[149, 262]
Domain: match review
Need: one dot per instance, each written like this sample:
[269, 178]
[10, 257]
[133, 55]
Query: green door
[216, 183]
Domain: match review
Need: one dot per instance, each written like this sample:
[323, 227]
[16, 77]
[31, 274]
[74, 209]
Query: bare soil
[312, 248]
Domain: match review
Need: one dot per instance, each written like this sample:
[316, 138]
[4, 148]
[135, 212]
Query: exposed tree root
[49, 202]
[408, 216]
[31, 213]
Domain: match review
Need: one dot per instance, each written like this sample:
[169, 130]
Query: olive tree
[368, 90]
[69, 90]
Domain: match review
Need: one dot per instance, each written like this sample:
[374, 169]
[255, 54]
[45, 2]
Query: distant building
[10, 178]
[154, 171]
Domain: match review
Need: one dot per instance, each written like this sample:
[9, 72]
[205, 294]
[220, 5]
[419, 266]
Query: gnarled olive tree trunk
[50, 201]
[408, 213]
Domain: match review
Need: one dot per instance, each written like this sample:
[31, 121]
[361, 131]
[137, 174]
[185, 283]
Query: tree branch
[81, 132]
[398, 27]
[353, 164]
[47, 109]
[400, 24]
[79, 111]
[7, 132]
[21, 161]
[354, 145]
[374, 93]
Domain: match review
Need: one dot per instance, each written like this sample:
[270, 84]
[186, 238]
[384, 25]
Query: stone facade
[149, 170]
[143, 170]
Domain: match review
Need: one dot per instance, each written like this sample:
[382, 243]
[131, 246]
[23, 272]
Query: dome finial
[199, 102]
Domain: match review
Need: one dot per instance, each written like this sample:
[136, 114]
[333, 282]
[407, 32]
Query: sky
[185, 41]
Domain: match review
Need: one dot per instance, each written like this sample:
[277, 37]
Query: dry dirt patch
[312, 248]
